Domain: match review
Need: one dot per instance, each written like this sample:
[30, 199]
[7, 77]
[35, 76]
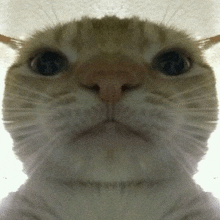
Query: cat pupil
[48, 63]
[172, 63]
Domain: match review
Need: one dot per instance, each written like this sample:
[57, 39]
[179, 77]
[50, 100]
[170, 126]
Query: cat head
[110, 100]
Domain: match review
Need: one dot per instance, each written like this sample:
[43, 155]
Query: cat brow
[207, 42]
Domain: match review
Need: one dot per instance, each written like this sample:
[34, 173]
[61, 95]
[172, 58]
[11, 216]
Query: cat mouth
[113, 127]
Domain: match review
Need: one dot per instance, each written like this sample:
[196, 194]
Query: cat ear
[13, 43]
[209, 42]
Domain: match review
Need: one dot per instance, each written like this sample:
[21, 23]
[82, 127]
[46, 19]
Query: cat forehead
[112, 35]
[111, 27]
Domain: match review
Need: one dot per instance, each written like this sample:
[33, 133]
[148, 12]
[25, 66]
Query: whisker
[175, 12]
[44, 11]
[197, 111]
[26, 130]
[199, 133]
[19, 110]
[190, 138]
[179, 155]
[38, 158]
[165, 15]
[12, 96]
[55, 14]
[22, 88]
[192, 90]
[25, 124]
[199, 95]
[24, 112]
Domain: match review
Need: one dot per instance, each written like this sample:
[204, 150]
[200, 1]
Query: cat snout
[110, 79]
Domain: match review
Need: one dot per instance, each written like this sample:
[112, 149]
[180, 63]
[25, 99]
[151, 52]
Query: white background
[19, 18]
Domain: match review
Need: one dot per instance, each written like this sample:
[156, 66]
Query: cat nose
[110, 79]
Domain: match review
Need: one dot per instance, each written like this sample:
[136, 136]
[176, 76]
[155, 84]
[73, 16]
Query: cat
[110, 118]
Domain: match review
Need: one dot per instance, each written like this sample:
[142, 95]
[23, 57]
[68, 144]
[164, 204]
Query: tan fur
[111, 153]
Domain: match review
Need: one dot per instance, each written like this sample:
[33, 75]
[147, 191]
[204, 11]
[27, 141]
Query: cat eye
[172, 62]
[48, 63]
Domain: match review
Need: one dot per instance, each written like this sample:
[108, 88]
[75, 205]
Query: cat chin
[109, 152]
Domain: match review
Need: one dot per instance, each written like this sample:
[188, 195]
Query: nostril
[124, 88]
[128, 87]
[94, 87]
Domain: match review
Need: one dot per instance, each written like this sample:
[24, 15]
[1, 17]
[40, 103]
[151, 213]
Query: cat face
[110, 100]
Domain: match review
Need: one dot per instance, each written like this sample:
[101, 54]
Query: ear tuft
[209, 42]
[13, 43]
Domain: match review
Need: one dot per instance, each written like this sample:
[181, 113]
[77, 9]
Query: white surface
[21, 17]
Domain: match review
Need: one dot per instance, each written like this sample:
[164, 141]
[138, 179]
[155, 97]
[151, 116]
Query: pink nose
[111, 79]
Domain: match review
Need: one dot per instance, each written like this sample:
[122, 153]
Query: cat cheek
[68, 116]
